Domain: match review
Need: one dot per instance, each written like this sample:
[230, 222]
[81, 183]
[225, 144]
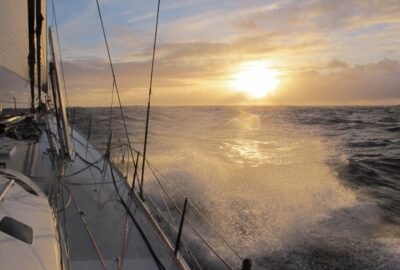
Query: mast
[62, 113]
[39, 20]
[31, 55]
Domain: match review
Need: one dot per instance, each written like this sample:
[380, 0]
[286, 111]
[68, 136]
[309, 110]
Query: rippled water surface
[290, 187]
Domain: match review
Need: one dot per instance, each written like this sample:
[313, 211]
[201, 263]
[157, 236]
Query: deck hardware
[89, 133]
[107, 155]
[17, 229]
[247, 263]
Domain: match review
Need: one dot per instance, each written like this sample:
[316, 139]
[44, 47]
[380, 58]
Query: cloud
[336, 64]
[185, 83]
[374, 83]
[326, 51]
[323, 15]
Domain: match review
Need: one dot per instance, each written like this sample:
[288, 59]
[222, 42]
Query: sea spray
[290, 187]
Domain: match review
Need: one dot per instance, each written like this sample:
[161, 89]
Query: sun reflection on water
[256, 153]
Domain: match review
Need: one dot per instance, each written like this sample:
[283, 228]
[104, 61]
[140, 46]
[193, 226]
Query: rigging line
[152, 252]
[104, 149]
[54, 206]
[124, 247]
[174, 228]
[111, 107]
[149, 100]
[201, 215]
[124, 242]
[80, 213]
[196, 210]
[153, 170]
[65, 206]
[114, 77]
[65, 230]
[213, 228]
[88, 162]
[127, 167]
[85, 168]
[59, 51]
[206, 243]
[126, 236]
[193, 227]
[125, 233]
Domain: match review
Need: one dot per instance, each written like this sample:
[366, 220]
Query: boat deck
[98, 232]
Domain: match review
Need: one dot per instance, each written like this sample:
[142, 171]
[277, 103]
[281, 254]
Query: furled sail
[14, 38]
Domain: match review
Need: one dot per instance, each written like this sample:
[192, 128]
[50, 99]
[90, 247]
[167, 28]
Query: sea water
[288, 187]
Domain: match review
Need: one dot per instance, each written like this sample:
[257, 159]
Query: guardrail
[196, 238]
[180, 228]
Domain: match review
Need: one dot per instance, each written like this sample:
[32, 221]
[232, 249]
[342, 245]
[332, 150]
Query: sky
[342, 52]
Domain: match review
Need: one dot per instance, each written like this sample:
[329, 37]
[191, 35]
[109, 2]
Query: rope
[80, 212]
[93, 164]
[153, 254]
[85, 168]
[149, 100]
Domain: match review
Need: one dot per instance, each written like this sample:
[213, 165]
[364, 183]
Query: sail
[14, 38]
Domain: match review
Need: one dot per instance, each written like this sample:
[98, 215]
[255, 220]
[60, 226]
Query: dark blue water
[290, 187]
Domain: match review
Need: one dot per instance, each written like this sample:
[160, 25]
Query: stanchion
[246, 264]
[178, 238]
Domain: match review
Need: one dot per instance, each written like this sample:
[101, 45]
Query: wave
[292, 187]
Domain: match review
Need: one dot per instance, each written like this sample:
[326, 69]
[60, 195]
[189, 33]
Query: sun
[255, 79]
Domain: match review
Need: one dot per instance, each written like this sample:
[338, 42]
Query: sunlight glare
[255, 79]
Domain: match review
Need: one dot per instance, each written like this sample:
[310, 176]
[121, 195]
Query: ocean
[288, 187]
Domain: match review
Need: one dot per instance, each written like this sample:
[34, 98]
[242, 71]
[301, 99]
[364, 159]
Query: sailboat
[64, 204]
